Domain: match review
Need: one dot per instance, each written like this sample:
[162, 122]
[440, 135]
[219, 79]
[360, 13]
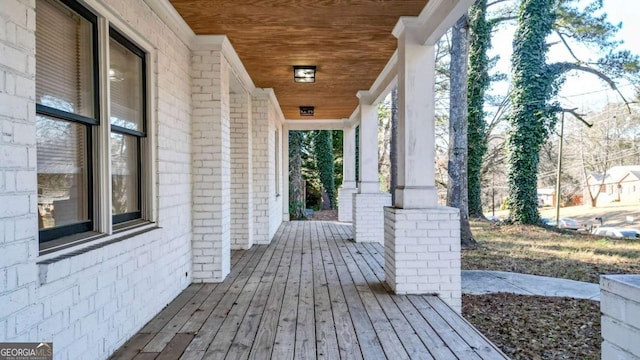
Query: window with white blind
[66, 82]
[127, 79]
[72, 140]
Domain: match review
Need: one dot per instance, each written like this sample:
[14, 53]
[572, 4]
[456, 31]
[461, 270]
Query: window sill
[70, 246]
[59, 265]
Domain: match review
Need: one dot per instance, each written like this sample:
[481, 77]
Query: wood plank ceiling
[349, 41]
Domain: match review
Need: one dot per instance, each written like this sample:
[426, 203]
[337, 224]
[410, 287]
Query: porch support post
[211, 242]
[241, 171]
[285, 173]
[262, 192]
[422, 239]
[369, 202]
[348, 188]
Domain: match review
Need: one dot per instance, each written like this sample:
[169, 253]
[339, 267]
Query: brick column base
[422, 252]
[368, 216]
[620, 306]
[345, 204]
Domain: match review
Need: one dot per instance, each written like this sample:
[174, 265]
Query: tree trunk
[296, 199]
[326, 200]
[393, 150]
[477, 82]
[323, 151]
[531, 117]
[457, 195]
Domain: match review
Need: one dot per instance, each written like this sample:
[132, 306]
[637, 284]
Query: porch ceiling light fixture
[304, 73]
[306, 110]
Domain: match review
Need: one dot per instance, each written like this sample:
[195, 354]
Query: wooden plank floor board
[312, 293]
[346, 335]
[436, 347]
[471, 335]
[158, 322]
[327, 342]
[411, 341]
[266, 332]
[132, 347]
[175, 347]
[449, 335]
[210, 328]
[164, 336]
[284, 342]
[230, 317]
[369, 342]
[197, 319]
[232, 344]
[305, 345]
[389, 340]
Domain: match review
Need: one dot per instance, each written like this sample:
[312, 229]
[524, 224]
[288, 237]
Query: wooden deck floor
[312, 293]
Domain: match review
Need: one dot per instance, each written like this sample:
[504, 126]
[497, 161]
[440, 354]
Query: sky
[585, 92]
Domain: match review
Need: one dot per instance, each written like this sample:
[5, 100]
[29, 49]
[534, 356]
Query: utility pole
[559, 170]
[493, 194]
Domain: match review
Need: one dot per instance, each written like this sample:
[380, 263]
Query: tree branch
[576, 115]
[495, 2]
[563, 67]
[500, 19]
[566, 44]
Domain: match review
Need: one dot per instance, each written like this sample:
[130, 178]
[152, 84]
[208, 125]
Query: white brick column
[369, 202]
[241, 171]
[261, 190]
[620, 306]
[422, 240]
[211, 167]
[348, 188]
[284, 191]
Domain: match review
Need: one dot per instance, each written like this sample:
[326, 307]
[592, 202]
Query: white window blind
[64, 59]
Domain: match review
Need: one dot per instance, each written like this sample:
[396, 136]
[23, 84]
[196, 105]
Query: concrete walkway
[479, 282]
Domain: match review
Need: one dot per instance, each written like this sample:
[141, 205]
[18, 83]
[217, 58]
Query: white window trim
[102, 215]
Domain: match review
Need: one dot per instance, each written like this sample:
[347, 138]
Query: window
[127, 79]
[71, 136]
[66, 113]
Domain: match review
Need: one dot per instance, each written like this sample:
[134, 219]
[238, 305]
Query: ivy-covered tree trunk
[535, 83]
[477, 84]
[296, 201]
[531, 116]
[457, 186]
[393, 148]
[323, 150]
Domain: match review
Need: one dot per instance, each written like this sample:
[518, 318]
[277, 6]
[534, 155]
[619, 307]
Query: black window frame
[56, 232]
[139, 135]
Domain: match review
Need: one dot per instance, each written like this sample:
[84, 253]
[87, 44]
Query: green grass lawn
[539, 251]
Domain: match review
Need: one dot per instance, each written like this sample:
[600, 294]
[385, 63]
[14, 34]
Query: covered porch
[87, 259]
[311, 293]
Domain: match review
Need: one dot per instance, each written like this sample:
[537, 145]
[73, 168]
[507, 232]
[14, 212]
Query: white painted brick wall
[241, 172]
[620, 306]
[90, 304]
[267, 207]
[211, 243]
[368, 216]
[275, 201]
[345, 204]
[422, 252]
[260, 143]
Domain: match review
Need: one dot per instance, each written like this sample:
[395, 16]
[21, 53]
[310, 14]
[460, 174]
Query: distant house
[618, 184]
[546, 197]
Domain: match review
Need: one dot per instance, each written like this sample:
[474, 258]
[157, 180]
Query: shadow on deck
[312, 293]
